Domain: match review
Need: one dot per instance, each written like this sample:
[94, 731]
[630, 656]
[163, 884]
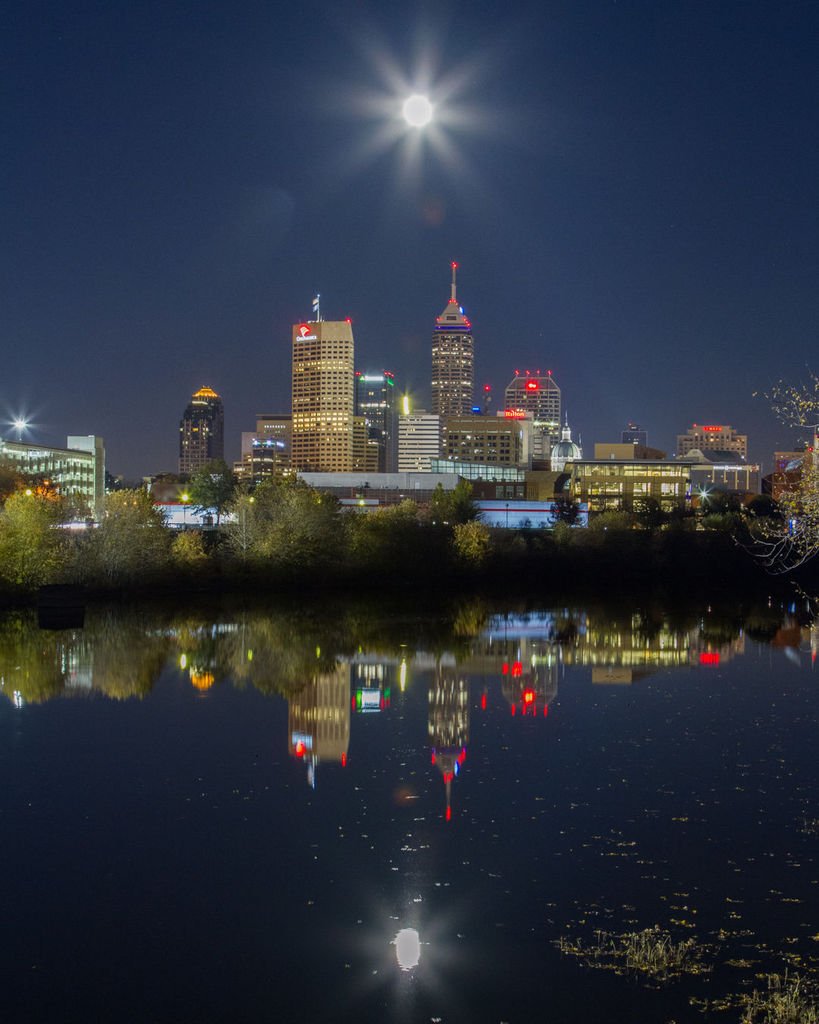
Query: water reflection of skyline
[122, 656]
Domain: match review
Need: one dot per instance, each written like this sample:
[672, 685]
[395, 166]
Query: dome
[565, 450]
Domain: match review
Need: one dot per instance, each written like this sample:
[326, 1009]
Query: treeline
[285, 533]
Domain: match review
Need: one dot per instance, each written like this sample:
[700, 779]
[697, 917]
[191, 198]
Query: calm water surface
[348, 816]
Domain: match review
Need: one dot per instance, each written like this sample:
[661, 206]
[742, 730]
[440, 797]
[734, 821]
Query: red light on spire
[487, 387]
[454, 265]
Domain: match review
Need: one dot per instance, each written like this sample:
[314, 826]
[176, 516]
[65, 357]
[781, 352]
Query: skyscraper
[201, 431]
[538, 394]
[323, 396]
[375, 400]
[453, 360]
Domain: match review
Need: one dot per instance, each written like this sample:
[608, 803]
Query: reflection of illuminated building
[371, 688]
[448, 727]
[76, 662]
[319, 720]
[529, 684]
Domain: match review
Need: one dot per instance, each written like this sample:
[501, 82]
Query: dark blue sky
[630, 189]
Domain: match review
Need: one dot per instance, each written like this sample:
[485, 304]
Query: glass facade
[77, 471]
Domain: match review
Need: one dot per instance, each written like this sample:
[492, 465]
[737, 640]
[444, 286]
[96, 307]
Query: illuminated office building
[201, 431]
[712, 438]
[419, 441]
[537, 395]
[375, 400]
[621, 485]
[491, 440]
[76, 471]
[323, 396]
[453, 360]
[266, 451]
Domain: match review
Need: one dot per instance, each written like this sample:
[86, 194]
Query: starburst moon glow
[417, 110]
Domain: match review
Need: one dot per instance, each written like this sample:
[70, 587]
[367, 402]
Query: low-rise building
[369, 490]
[721, 471]
[622, 484]
[76, 471]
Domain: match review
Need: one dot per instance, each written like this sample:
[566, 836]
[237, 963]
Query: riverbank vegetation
[284, 533]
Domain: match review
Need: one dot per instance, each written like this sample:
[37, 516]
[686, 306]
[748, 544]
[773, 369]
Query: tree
[471, 541]
[453, 507]
[212, 486]
[11, 479]
[566, 510]
[131, 541]
[188, 549]
[287, 523]
[649, 514]
[783, 544]
[31, 545]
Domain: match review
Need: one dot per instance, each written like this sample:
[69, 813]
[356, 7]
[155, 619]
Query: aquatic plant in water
[787, 1000]
[651, 952]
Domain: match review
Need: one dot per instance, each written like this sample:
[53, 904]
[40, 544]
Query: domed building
[565, 450]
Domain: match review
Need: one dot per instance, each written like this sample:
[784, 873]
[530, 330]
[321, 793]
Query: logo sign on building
[532, 385]
[304, 332]
[712, 430]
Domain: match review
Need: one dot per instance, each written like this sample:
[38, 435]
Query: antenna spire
[454, 272]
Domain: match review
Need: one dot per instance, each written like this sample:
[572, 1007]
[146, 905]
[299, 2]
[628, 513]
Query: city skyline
[634, 209]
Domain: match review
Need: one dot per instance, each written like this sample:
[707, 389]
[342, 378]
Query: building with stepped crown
[201, 431]
[453, 360]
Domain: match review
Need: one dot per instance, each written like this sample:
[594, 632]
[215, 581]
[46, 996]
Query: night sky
[631, 190]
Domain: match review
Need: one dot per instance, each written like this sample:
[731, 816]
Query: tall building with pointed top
[201, 431]
[323, 396]
[453, 360]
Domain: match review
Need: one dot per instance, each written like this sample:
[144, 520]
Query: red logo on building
[532, 385]
[304, 330]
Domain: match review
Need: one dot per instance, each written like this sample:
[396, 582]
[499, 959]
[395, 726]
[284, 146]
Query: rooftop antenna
[454, 272]
[317, 307]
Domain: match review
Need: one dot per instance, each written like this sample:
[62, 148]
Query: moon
[407, 948]
[417, 110]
